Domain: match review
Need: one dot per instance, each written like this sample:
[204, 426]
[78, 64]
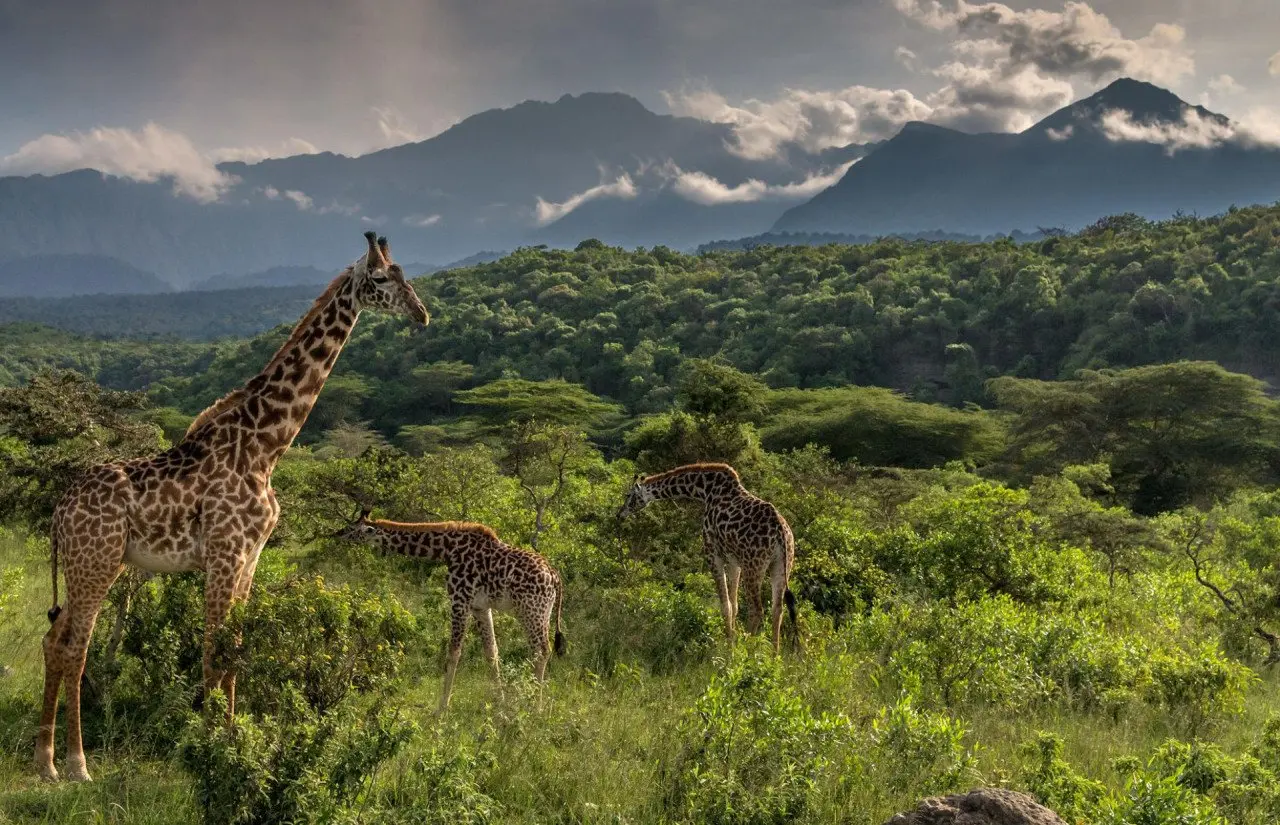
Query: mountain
[1068, 170]
[497, 180]
[53, 275]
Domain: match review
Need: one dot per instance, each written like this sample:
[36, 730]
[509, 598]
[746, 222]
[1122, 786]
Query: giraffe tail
[561, 646]
[790, 601]
[53, 559]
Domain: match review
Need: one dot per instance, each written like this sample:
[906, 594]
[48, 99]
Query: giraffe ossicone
[484, 574]
[204, 504]
[745, 538]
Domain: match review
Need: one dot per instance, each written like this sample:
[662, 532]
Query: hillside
[932, 319]
[475, 186]
[1061, 172]
[49, 276]
[197, 316]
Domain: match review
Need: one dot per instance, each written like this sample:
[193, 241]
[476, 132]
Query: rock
[984, 806]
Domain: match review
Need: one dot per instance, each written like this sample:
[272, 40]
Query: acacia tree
[57, 426]
[540, 457]
[1231, 553]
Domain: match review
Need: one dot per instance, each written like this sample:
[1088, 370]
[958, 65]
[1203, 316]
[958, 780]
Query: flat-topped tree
[206, 503]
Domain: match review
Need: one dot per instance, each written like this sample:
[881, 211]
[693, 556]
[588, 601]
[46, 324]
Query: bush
[656, 625]
[751, 748]
[297, 766]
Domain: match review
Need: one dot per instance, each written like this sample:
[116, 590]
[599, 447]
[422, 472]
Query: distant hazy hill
[475, 186]
[60, 275]
[1063, 172]
[192, 315]
[822, 238]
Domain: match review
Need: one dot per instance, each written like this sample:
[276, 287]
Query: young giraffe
[204, 504]
[743, 536]
[484, 573]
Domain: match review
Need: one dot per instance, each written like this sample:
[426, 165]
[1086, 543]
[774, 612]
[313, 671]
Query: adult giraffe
[204, 504]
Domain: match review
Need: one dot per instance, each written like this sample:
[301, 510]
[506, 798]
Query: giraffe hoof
[48, 773]
[78, 772]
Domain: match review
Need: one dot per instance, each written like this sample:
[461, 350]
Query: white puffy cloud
[1077, 41]
[1010, 68]
[622, 187]
[1007, 69]
[421, 221]
[981, 98]
[700, 187]
[1259, 128]
[1064, 133]
[145, 155]
[812, 120]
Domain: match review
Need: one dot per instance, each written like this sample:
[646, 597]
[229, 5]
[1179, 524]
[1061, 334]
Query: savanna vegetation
[1035, 516]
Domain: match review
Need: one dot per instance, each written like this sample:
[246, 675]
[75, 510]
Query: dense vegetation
[1024, 574]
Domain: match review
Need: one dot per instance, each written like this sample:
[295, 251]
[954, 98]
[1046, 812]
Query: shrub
[751, 748]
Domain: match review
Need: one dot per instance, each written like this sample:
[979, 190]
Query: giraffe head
[358, 530]
[380, 284]
[638, 496]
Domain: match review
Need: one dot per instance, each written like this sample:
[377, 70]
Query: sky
[136, 87]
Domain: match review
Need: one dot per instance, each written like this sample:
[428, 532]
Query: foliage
[54, 428]
[750, 750]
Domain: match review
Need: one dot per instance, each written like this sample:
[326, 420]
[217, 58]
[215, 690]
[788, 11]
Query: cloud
[1260, 128]
[811, 120]
[1064, 133]
[1273, 65]
[623, 187]
[906, 58]
[1010, 68]
[394, 129]
[145, 155]
[1225, 84]
[256, 154]
[421, 221]
[1077, 41]
[300, 199]
[700, 187]
[979, 98]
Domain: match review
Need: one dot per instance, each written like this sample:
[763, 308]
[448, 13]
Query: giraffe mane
[299, 328]
[435, 527]
[216, 409]
[687, 469]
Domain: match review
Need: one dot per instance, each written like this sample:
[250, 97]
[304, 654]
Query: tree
[509, 400]
[57, 426]
[541, 456]
[1172, 434]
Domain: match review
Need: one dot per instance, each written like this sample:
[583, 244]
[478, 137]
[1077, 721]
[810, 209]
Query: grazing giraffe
[204, 504]
[743, 536]
[484, 573]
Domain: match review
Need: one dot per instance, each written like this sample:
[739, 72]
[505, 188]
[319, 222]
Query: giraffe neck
[278, 400]
[706, 486]
[429, 546]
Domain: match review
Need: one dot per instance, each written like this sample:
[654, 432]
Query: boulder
[984, 806]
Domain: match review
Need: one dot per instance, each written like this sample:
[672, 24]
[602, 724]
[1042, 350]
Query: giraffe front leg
[222, 574]
[484, 620]
[84, 600]
[722, 589]
[457, 631]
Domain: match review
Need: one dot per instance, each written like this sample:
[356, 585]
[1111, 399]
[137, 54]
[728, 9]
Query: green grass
[594, 751]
